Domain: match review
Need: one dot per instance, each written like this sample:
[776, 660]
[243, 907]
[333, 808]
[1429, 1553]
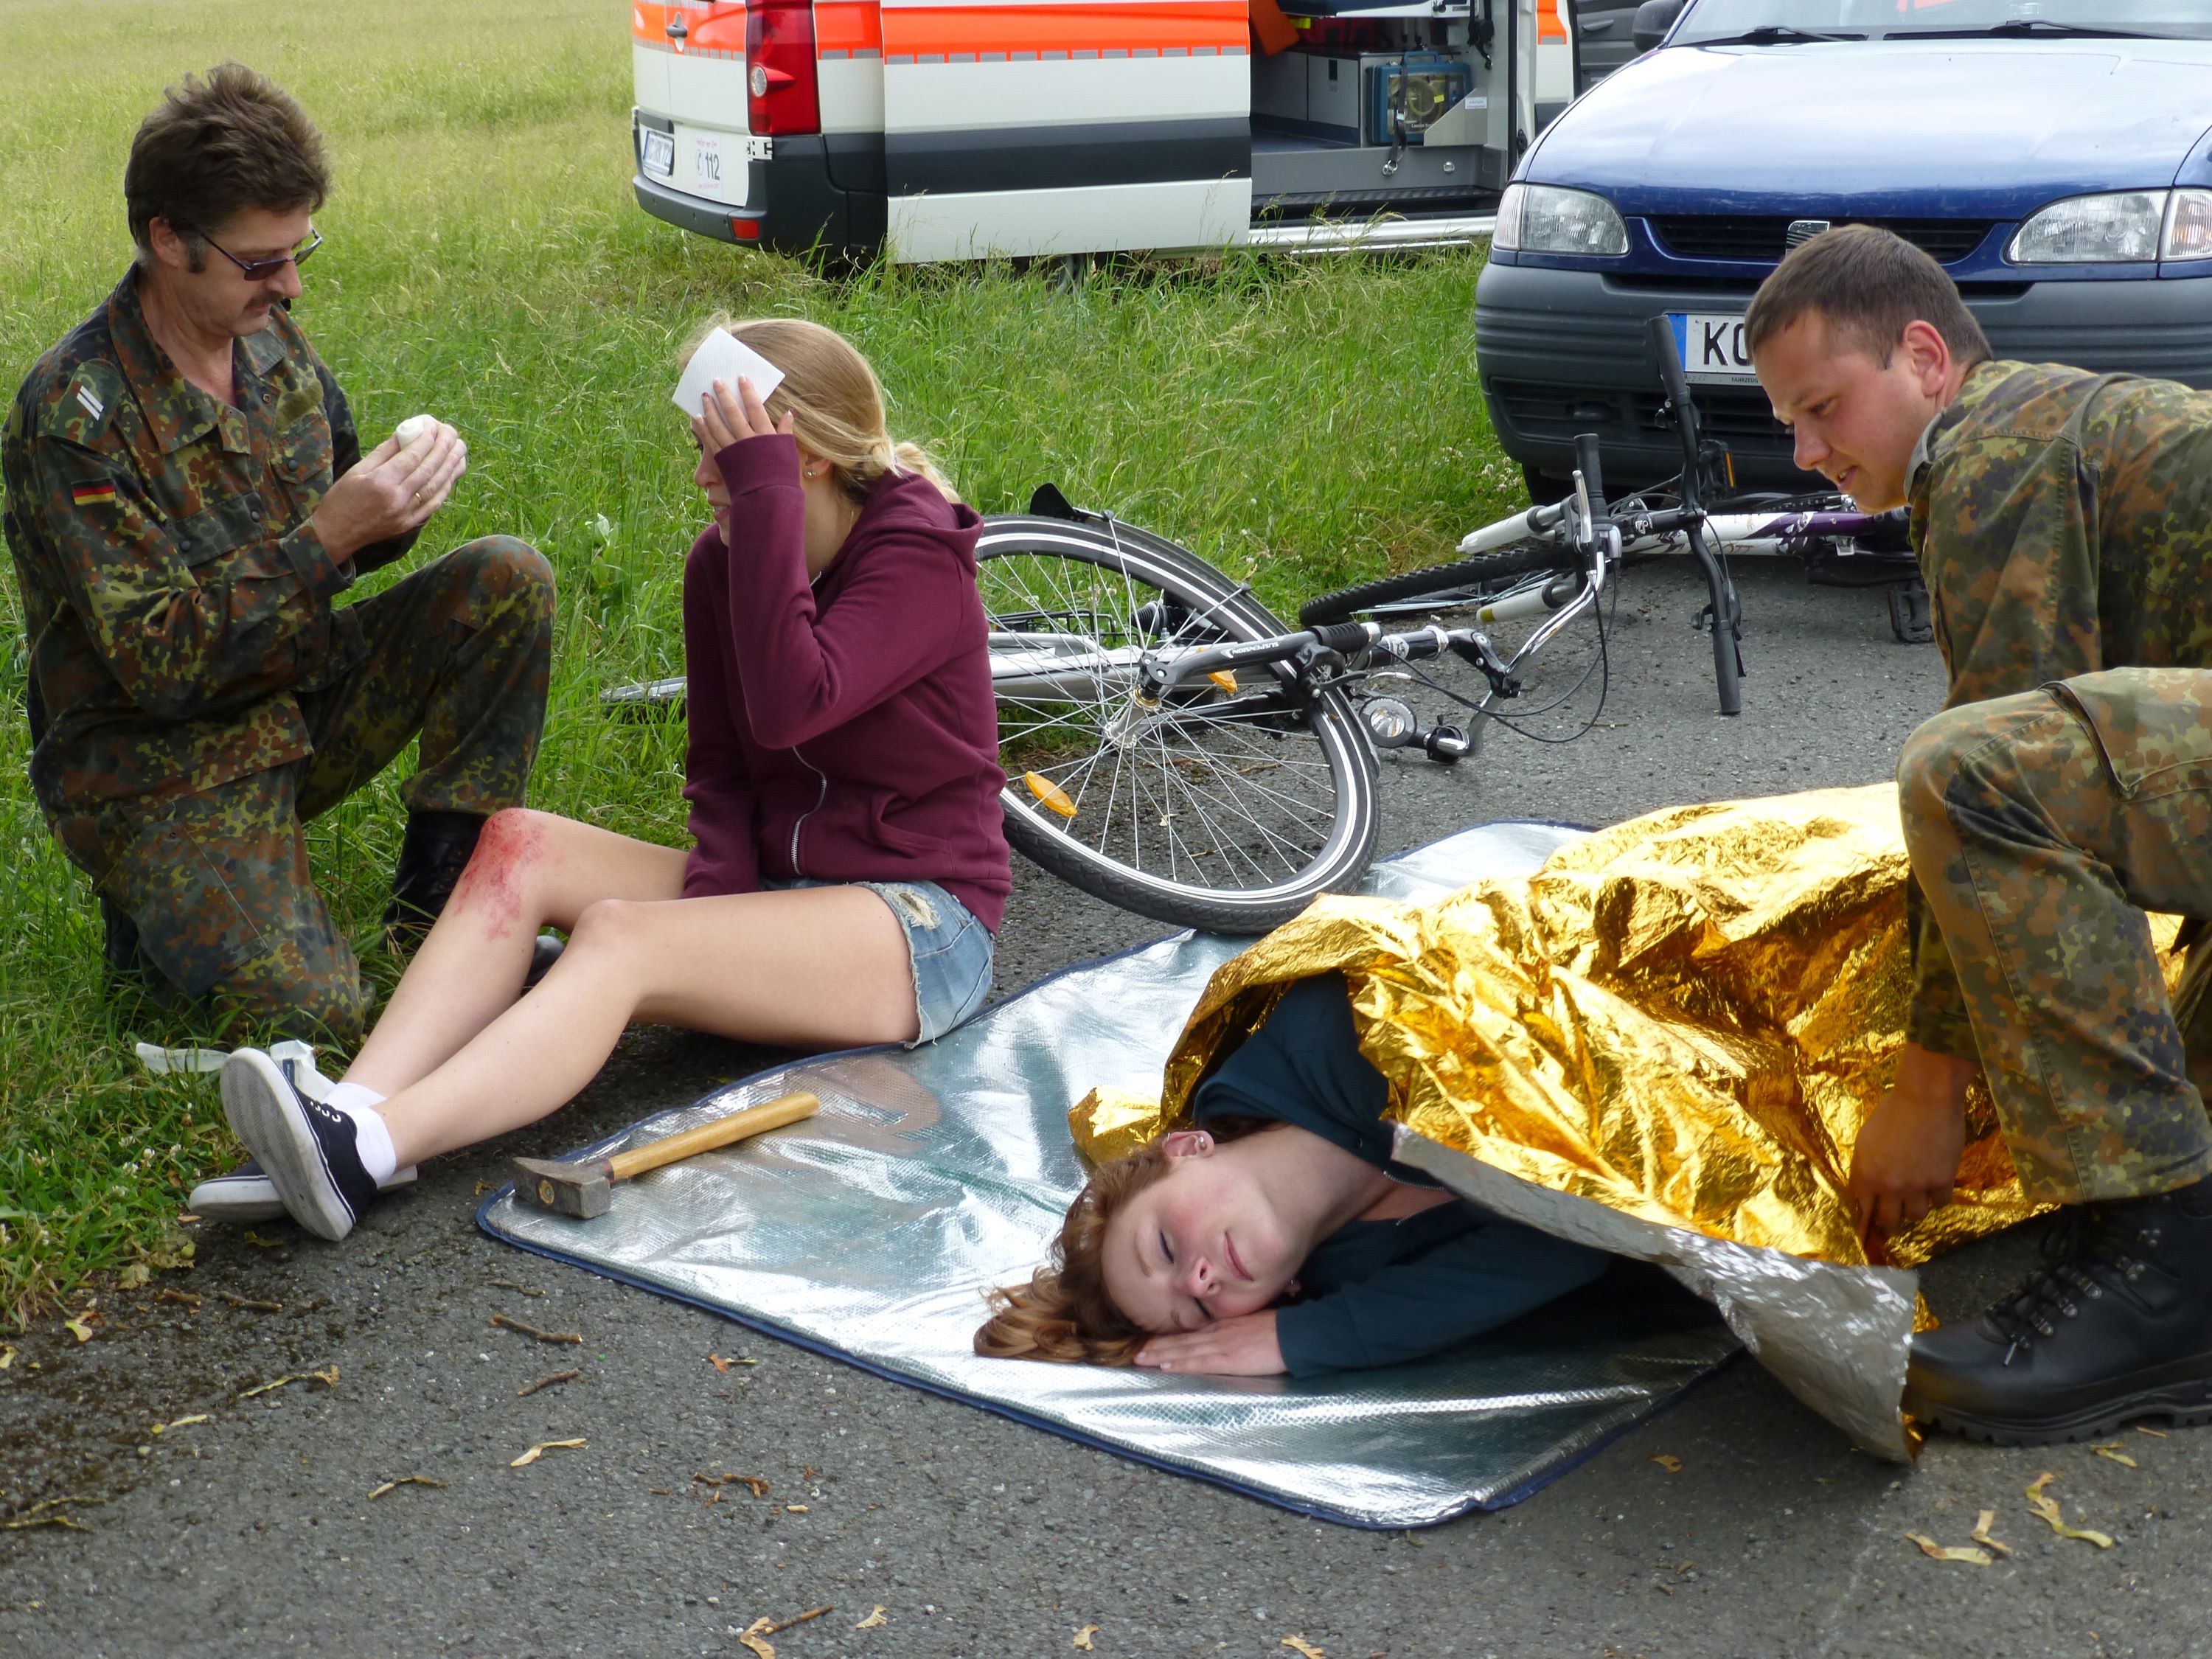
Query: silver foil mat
[870, 1232]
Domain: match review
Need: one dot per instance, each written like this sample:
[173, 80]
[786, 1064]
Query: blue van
[2054, 155]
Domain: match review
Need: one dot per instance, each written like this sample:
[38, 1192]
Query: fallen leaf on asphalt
[261, 1243]
[723, 1365]
[185, 1297]
[2111, 1449]
[328, 1377]
[542, 1448]
[509, 1285]
[754, 1638]
[1980, 1534]
[794, 1509]
[534, 1333]
[1300, 1644]
[2046, 1508]
[403, 1481]
[1934, 1551]
[873, 1621]
[7, 1357]
[547, 1382]
[1083, 1636]
[77, 1328]
[2155, 1434]
[1672, 1465]
[183, 1422]
[47, 1512]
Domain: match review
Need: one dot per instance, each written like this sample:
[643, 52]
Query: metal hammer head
[577, 1189]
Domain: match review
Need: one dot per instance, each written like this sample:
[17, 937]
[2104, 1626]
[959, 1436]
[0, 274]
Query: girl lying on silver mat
[1277, 1235]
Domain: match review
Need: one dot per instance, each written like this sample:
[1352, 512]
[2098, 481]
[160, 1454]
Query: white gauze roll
[416, 428]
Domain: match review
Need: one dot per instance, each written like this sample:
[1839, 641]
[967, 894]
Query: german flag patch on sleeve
[99, 493]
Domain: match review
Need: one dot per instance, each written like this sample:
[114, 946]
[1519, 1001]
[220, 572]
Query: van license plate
[656, 151]
[1711, 347]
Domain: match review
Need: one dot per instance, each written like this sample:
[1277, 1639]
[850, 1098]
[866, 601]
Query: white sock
[372, 1138]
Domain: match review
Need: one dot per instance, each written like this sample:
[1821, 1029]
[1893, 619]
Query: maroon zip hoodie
[843, 731]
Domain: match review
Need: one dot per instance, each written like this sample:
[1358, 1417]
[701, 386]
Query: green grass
[1301, 423]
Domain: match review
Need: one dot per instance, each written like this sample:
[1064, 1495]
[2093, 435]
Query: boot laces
[2092, 1250]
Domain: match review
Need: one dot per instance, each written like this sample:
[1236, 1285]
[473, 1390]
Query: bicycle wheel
[1225, 807]
[1466, 580]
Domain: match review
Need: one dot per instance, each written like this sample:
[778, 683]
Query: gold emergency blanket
[1684, 1019]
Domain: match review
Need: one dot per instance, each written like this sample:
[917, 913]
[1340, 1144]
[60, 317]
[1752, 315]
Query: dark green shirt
[1378, 1292]
[2063, 524]
[175, 596]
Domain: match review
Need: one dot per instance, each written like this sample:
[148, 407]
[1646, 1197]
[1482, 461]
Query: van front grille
[1754, 240]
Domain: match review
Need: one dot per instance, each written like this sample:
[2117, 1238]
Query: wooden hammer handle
[752, 1120]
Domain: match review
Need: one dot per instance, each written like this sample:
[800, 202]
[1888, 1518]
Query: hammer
[582, 1189]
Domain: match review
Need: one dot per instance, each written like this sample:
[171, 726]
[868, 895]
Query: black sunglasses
[255, 270]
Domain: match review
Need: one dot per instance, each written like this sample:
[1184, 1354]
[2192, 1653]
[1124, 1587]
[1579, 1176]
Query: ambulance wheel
[1225, 807]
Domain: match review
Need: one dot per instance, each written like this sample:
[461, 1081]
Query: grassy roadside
[1302, 425]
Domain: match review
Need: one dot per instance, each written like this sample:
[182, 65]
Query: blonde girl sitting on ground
[843, 779]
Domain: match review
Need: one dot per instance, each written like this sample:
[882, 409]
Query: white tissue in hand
[722, 357]
[414, 428]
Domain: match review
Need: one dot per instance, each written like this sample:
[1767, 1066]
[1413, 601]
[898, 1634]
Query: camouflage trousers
[229, 922]
[2042, 827]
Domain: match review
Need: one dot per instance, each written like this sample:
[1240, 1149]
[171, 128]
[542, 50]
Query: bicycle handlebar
[1676, 384]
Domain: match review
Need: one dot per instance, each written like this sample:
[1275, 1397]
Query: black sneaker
[246, 1194]
[2117, 1324]
[306, 1147]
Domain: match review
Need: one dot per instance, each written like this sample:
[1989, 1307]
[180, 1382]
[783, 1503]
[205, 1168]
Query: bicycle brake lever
[1472, 646]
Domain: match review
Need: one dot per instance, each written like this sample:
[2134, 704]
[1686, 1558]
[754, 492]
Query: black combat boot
[435, 851]
[2117, 1324]
[431, 855]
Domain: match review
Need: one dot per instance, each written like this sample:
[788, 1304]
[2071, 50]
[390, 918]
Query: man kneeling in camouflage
[186, 495]
[2062, 522]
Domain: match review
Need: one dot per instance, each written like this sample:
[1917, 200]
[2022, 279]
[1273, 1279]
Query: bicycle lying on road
[1172, 748]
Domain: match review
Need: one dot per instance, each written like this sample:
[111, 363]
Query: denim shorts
[949, 949]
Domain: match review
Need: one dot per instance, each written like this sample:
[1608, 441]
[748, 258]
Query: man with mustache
[186, 496]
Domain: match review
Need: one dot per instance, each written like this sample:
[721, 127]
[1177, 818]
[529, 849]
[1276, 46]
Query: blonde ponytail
[834, 398]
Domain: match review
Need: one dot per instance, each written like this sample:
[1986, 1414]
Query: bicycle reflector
[1226, 680]
[782, 96]
[1049, 795]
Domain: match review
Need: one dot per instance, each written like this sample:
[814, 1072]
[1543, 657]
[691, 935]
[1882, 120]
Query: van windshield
[1789, 22]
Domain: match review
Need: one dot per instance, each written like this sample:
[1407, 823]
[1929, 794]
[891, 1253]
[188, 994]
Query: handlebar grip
[1586, 459]
[1344, 637]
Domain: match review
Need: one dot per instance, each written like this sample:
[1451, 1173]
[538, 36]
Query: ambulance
[941, 130]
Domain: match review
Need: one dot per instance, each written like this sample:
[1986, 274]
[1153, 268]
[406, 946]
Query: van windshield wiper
[2022, 27]
[1769, 34]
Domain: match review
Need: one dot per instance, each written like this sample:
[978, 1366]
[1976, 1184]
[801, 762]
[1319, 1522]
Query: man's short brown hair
[1869, 283]
[215, 149]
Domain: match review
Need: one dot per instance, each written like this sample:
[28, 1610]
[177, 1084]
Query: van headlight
[1547, 219]
[2120, 227]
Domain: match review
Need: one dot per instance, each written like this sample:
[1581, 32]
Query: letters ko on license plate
[1712, 346]
[656, 151]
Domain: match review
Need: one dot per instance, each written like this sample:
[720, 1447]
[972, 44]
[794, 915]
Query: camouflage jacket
[2064, 524]
[175, 597]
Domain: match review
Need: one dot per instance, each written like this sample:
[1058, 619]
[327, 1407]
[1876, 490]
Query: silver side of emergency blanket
[872, 1230]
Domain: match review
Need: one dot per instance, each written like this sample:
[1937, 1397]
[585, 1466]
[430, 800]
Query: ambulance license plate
[656, 151]
[1711, 348]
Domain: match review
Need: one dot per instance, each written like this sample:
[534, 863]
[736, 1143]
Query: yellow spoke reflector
[1049, 795]
[1224, 679]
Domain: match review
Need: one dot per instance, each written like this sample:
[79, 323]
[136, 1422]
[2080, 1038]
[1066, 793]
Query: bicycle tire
[1482, 569]
[1253, 848]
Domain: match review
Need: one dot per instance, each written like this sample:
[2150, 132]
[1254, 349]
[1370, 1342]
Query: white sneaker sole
[253, 1198]
[265, 1114]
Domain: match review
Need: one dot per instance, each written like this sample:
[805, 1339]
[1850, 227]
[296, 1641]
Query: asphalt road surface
[254, 1532]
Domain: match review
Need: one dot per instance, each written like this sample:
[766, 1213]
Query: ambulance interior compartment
[1403, 105]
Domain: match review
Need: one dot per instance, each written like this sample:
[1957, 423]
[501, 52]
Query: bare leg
[806, 967]
[531, 870]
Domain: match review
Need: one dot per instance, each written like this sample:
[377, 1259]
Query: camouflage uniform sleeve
[181, 647]
[1937, 1020]
[345, 455]
[2008, 552]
